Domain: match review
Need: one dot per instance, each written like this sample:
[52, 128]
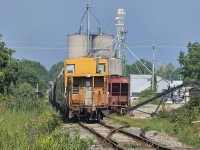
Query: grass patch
[154, 123]
[34, 125]
[142, 99]
[177, 123]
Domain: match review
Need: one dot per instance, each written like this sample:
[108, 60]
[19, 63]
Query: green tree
[190, 62]
[161, 71]
[176, 74]
[155, 83]
[168, 72]
[25, 91]
[138, 68]
[8, 68]
[55, 70]
[169, 69]
[33, 72]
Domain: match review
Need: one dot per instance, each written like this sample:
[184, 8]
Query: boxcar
[81, 89]
[118, 93]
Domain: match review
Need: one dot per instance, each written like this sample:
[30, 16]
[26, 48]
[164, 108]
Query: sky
[38, 29]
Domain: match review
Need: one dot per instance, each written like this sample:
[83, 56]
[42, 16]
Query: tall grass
[176, 123]
[34, 125]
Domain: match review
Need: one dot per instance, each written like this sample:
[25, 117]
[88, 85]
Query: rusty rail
[109, 141]
[140, 138]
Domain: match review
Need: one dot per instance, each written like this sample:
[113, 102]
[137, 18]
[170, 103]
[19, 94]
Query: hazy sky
[38, 29]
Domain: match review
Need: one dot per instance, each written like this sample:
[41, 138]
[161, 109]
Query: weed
[27, 124]
[177, 122]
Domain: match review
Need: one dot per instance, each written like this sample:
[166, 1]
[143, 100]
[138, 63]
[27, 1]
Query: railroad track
[119, 138]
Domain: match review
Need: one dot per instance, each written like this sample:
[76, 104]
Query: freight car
[81, 89]
[118, 93]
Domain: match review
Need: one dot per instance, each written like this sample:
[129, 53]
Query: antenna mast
[88, 7]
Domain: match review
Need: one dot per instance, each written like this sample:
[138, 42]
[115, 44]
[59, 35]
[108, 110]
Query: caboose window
[116, 89]
[124, 89]
[76, 88]
[70, 68]
[102, 68]
[87, 83]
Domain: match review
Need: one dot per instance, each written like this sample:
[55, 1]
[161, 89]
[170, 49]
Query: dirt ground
[146, 110]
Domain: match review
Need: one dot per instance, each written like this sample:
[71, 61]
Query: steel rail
[109, 141]
[152, 144]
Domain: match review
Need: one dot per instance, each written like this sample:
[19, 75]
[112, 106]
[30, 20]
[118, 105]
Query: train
[81, 89]
[119, 93]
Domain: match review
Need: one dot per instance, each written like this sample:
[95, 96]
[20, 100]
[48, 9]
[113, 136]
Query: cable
[107, 33]
[34, 42]
[95, 17]
[136, 57]
[137, 68]
[83, 16]
[36, 47]
[112, 42]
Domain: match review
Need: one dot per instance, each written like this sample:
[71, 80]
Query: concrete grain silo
[101, 41]
[115, 66]
[76, 46]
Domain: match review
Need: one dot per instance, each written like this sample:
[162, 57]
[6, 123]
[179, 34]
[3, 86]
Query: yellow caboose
[84, 82]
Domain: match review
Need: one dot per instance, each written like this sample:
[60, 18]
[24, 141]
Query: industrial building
[100, 45]
[139, 83]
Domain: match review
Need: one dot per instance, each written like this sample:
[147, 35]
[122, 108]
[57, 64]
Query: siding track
[119, 139]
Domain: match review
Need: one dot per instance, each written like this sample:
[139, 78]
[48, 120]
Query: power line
[135, 47]
[36, 47]
[25, 42]
[136, 57]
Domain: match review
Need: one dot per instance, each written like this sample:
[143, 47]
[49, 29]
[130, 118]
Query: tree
[55, 70]
[169, 69]
[138, 68]
[168, 72]
[8, 68]
[176, 75]
[155, 83]
[33, 72]
[25, 91]
[161, 71]
[190, 62]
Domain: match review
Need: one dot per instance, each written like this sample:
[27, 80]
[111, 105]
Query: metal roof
[140, 83]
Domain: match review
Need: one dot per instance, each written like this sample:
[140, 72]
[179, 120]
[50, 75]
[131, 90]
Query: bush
[25, 105]
[27, 124]
[60, 140]
[184, 115]
[25, 91]
[146, 93]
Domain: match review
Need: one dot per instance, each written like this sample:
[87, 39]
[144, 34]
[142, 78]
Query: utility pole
[37, 91]
[152, 86]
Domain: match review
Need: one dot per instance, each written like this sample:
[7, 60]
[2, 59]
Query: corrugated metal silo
[101, 41]
[115, 66]
[76, 46]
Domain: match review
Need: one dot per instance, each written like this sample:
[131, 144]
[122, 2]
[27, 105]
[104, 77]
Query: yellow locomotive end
[86, 84]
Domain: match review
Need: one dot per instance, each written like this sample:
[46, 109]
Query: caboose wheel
[76, 118]
[98, 117]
